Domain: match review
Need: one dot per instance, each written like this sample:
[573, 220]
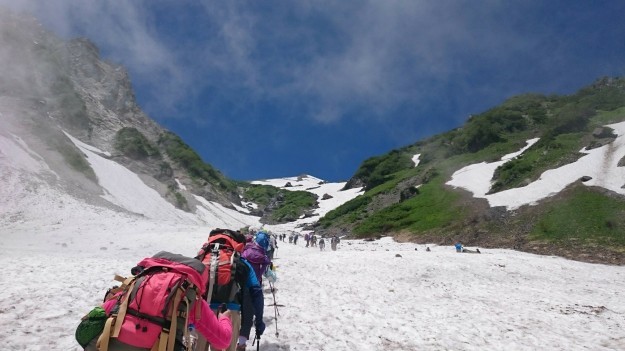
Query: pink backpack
[155, 303]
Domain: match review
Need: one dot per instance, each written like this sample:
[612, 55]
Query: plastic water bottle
[192, 338]
[271, 276]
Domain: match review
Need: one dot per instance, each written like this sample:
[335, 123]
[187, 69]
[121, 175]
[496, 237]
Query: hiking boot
[241, 347]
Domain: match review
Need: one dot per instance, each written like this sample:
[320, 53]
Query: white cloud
[326, 57]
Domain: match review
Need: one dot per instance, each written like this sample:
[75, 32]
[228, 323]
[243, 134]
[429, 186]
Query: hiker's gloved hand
[242, 342]
[260, 328]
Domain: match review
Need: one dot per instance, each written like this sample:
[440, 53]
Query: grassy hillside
[280, 205]
[414, 202]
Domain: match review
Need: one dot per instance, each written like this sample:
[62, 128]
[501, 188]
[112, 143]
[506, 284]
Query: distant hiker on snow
[334, 241]
[322, 244]
[458, 246]
[273, 245]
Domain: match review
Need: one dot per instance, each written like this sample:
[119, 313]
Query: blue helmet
[262, 239]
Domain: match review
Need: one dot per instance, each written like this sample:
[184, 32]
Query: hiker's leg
[235, 317]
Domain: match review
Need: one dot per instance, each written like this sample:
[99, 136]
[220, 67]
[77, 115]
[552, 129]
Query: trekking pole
[257, 345]
[276, 313]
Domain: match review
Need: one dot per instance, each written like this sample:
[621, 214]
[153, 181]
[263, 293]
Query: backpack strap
[111, 328]
[103, 341]
[233, 267]
[121, 314]
[213, 272]
[167, 339]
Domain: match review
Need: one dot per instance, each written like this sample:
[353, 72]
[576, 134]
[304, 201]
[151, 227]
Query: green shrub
[375, 170]
[260, 194]
[130, 142]
[188, 159]
[181, 201]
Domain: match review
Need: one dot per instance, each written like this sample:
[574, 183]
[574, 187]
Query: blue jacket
[253, 304]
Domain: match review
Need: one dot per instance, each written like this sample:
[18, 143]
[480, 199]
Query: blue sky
[264, 89]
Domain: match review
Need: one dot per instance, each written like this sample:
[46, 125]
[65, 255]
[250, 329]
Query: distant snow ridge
[318, 187]
[601, 164]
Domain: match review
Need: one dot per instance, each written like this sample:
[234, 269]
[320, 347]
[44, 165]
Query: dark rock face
[408, 193]
[354, 183]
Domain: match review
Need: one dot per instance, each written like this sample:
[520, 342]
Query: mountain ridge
[74, 119]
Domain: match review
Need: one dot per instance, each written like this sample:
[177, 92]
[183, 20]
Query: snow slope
[361, 297]
[59, 256]
[601, 164]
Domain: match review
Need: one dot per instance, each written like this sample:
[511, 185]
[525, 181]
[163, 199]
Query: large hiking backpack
[221, 255]
[257, 257]
[154, 305]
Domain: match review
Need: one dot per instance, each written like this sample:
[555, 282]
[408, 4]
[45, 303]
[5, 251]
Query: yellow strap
[121, 314]
[174, 319]
[162, 343]
[103, 341]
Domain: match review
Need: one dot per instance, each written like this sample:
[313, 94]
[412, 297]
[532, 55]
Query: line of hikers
[172, 302]
[311, 240]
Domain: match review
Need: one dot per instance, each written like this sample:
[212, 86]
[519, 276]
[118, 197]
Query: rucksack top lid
[229, 237]
[195, 270]
[234, 234]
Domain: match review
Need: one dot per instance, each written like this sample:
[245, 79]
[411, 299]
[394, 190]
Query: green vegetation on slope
[130, 142]
[587, 217]
[74, 158]
[188, 159]
[564, 124]
[431, 210]
[376, 170]
[285, 205]
[544, 155]
[571, 118]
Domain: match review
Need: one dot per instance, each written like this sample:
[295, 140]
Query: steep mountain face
[77, 113]
[539, 173]
[50, 87]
